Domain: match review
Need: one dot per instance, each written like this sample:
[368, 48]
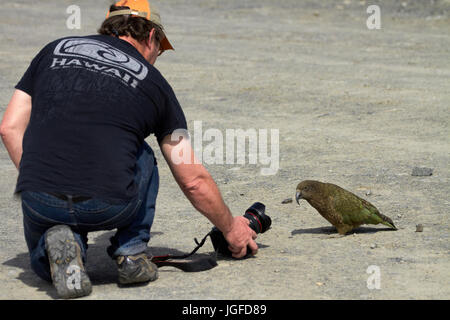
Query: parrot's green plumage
[341, 208]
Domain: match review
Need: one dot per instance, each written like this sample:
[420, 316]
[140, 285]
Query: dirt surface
[356, 107]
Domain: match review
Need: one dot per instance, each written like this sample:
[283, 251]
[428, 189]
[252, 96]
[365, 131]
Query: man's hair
[126, 25]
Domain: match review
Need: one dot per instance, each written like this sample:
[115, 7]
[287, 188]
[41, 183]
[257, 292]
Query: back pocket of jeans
[92, 206]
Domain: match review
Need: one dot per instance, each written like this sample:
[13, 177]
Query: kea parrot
[343, 209]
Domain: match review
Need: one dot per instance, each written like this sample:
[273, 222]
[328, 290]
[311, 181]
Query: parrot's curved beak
[298, 196]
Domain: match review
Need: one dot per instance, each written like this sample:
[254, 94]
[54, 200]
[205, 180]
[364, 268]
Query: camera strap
[200, 264]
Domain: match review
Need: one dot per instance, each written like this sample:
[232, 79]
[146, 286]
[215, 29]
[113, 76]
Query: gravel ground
[356, 107]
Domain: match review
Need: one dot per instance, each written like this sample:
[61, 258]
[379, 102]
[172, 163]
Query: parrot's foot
[344, 229]
[336, 236]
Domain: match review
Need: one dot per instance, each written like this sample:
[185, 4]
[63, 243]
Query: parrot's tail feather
[388, 222]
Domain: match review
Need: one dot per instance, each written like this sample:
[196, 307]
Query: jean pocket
[44, 198]
[92, 206]
[40, 215]
[112, 217]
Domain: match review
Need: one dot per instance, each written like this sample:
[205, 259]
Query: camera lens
[259, 221]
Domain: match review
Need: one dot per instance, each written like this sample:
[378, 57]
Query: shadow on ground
[28, 277]
[332, 230]
[100, 267]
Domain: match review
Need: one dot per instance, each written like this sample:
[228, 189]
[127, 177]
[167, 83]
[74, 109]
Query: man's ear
[151, 36]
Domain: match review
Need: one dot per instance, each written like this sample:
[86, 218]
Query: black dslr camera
[259, 222]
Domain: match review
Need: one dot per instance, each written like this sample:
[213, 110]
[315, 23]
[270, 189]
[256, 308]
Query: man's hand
[240, 236]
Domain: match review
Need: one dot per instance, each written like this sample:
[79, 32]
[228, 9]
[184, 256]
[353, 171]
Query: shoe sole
[68, 273]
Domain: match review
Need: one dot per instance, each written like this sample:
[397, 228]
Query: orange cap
[142, 8]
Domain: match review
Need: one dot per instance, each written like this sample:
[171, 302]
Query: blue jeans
[133, 220]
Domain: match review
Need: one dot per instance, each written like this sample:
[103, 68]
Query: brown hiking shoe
[136, 269]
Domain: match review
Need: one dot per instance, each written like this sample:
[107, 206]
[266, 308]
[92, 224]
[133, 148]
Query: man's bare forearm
[197, 184]
[206, 198]
[200, 188]
[13, 143]
[14, 123]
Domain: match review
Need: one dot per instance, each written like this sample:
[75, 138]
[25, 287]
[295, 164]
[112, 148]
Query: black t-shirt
[94, 101]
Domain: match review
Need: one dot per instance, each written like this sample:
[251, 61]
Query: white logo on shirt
[99, 56]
